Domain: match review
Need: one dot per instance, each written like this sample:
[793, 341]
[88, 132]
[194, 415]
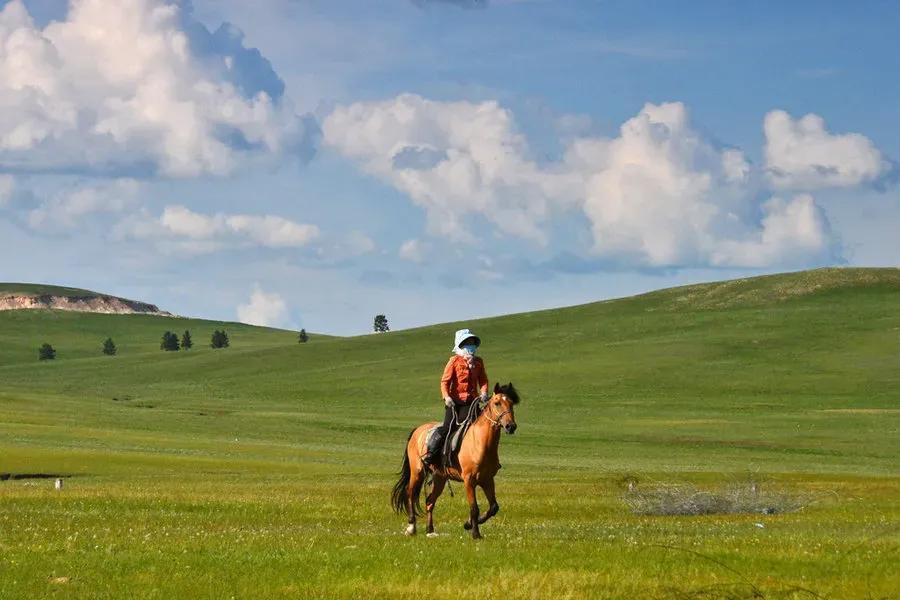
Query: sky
[311, 164]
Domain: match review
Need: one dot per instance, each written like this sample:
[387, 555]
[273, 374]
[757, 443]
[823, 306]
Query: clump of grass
[688, 500]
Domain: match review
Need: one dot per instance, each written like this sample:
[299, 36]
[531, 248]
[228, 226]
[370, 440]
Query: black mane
[507, 390]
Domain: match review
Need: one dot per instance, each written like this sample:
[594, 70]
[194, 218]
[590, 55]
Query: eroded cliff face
[94, 304]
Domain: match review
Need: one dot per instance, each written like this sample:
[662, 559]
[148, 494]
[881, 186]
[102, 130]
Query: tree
[303, 338]
[109, 347]
[219, 339]
[46, 352]
[169, 342]
[381, 324]
[186, 342]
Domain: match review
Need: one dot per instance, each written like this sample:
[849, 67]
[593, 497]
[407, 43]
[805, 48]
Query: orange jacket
[461, 383]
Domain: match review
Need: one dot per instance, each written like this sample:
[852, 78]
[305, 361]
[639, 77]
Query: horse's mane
[508, 390]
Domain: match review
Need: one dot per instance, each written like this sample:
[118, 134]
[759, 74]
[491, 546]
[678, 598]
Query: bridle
[496, 420]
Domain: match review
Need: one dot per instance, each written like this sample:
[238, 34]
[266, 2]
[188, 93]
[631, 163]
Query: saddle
[453, 442]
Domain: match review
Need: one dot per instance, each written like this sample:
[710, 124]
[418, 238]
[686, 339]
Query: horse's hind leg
[416, 478]
[437, 488]
[493, 507]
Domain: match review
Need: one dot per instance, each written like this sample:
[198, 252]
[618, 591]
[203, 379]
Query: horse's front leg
[493, 507]
[472, 523]
[437, 487]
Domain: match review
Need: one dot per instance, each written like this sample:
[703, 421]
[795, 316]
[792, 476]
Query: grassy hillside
[264, 469]
[77, 335]
[41, 289]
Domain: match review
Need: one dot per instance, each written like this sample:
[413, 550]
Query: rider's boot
[435, 446]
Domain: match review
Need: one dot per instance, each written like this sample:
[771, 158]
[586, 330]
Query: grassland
[263, 470]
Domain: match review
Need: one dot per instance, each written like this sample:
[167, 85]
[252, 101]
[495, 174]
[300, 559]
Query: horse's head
[499, 408]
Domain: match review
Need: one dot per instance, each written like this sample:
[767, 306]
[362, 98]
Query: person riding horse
[463, 382]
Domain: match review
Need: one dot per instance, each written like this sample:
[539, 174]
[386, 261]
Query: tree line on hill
[169, 343]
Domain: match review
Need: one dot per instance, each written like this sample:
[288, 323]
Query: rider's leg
[433, 456]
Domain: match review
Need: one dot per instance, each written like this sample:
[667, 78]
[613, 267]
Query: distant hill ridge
[768, 289]
[30, 296]
[734, 293]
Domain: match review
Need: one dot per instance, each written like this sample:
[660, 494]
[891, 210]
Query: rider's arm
[483, 380]
[446, 378]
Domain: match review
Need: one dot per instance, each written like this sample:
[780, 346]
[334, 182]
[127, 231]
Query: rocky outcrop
[94, 304]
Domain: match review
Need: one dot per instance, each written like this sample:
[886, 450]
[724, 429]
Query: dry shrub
[685, 499]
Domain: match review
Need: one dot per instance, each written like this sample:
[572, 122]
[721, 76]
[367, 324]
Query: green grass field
[264, 470]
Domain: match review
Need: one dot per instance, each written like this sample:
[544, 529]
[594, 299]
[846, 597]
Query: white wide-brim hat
[462, 335]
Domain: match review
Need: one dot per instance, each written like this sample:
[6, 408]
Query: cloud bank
[137, 85]
[659, 194]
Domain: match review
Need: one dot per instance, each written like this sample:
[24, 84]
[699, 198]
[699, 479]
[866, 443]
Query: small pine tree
[381, 324]
[46, 352]
[186, 342]
[109, 347]
[303, 338]
[169, 342]
[219, 339]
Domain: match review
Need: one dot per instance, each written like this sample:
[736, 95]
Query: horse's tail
[398, 496]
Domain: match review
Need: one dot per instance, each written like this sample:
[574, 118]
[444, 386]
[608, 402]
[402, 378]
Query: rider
[464, 381]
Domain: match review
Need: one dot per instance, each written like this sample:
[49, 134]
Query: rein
[496, 420]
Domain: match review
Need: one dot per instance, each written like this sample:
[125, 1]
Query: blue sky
[312, 164]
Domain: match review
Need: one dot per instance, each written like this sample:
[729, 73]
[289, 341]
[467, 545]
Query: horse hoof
[476, 535]
[467, 526]
[432, 535]
[410, 530]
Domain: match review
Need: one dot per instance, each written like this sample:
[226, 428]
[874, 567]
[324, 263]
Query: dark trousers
[459, 411]
[451, 416]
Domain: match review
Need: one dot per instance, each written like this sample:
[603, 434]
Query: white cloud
[272, 231]
[413, 250]
[67, 208]
[658, 194]
[802, 154]
[264, 308]
[792, 232]
[208, 233]
[136, 84]
[454, 159]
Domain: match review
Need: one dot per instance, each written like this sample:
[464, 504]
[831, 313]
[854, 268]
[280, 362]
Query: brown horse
[478, 462]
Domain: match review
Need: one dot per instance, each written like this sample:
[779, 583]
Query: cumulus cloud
[67, 208]
[792, 232]
[211, 232]
[803, 154]
[659, 194]
[454, 159]
[264, 308]
[137, 85]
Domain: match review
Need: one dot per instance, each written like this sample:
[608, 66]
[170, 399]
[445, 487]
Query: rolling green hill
[39, 289]
[291, 448]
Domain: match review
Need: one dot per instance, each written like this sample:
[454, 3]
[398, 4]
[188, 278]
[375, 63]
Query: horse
[477, 464]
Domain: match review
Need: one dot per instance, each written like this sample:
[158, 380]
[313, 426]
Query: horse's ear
[512, 393]
[496, 388]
